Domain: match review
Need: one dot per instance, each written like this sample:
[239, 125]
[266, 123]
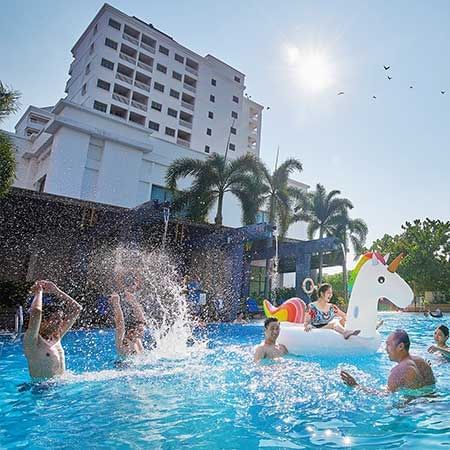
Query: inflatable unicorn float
[371, 280]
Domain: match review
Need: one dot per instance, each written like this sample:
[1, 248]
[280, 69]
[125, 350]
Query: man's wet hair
[401, 337]
[269, 320]
[444, 329]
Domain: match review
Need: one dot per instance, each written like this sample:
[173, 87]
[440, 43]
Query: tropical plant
[320, 210]
[9, 104]
[211, 180]
[349, 231]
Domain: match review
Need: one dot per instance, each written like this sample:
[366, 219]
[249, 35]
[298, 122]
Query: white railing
[187, 106]
[144, 86]
[191, 70]
[183, 142]
[130, 39]
[138, 105]
[127, 58]
[121, 77]
[145, 66]
[184, 123]
[120, 98]
[148, 47]
[189, 87]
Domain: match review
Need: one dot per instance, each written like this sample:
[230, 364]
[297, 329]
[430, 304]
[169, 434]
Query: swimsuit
[319, 318]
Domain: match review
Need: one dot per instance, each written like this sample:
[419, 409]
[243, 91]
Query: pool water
[211, 395]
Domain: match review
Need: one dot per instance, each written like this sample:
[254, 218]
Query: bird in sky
[442, 92]
[340, 93]
[374, 97]
[268, 107]
[411, 87]
[387, 67]
[389, 78]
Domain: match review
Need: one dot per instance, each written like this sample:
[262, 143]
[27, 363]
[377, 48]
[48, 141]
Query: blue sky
[389, 155]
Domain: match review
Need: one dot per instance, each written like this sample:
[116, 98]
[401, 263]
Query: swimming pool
[211, 395]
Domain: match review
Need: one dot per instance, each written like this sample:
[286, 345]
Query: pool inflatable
[371, 280]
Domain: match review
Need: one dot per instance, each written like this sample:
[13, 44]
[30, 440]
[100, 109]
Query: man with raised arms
[269, 348]
[411, 372]
[46, 327]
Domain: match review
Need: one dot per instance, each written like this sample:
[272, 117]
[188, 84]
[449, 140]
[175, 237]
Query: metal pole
[166, 215]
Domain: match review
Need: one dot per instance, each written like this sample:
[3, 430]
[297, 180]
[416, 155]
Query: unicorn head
[371, 280]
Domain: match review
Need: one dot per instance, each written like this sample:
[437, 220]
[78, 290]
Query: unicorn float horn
[393, 266]
[292, 310]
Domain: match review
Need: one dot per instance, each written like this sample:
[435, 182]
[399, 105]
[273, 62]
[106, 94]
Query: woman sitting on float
[323, 314]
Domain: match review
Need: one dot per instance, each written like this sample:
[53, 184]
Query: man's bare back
[411, 373]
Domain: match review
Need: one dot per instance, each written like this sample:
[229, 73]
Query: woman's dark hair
[321, 290]
[444, 329]
[269, 320]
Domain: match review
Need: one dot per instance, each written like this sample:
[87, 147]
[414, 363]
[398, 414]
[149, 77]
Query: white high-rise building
[129, 69]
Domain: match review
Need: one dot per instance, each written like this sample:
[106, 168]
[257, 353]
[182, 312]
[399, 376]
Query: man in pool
[411, 372]
[269, 348]
[46, 327]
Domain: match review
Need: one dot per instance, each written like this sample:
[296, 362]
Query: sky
[389, 155]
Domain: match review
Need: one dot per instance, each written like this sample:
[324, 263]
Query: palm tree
[277, 196]
[349, 231]
[8, 105]
[320, 210]
[212, 179]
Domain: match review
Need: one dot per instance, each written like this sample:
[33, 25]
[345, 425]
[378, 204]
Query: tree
[426, 246]
[321, 210]
[212, 179]
[349, 231]
[9, 104]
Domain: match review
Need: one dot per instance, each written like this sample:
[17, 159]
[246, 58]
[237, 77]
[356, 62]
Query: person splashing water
[323, 314]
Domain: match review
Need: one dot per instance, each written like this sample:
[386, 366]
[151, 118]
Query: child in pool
[440, 337]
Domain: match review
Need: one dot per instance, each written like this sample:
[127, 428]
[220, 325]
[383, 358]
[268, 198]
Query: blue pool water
[211, 395]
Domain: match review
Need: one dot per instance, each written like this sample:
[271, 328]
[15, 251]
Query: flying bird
[442, 92]
[389, 78]
[268, 107]
[411, 87]
[387, 67]
[341, 93]
[373, 96]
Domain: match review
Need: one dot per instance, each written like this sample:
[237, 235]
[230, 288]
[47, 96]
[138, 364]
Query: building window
[110, 43]
[174, 93]
[177, 76]
[161, 68]
[158, 86]
[235, 99]
[213, 82]
[163, 50]
[161, 194]
[114, 24]
[100, 106]
[103, 85]
[212, 98]
[172, 112]
[237, 79]
[209, 131]
[91, 49]
[234, 114]
[108, 64]
[170, 131]
[207, 149]
[88, 69]
[232, 147]
[83, 89]
[232, 130]
[179, 58]
[153, 125]
[157, 106]
[210, 115]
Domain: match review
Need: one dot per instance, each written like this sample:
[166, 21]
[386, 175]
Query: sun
[311, 68]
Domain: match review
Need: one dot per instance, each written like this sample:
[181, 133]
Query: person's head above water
[441, 334]
[397, 345]
[52, 317]
[325, 291]
[271, 329]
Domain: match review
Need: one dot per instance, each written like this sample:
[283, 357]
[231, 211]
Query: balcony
[186, 124]
[183, 142]
[127, 58]
[191, 70]
[131, 39]
[121, 98]
[148, 48]
[141, 85]
[145, 66]
[189, 88]
[138, 105]
[187, 106]
[121, 77]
